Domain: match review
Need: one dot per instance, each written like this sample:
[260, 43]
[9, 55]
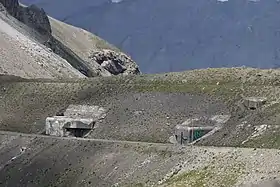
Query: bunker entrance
[185, 135]
[69, 127]
[76, 132]
[77, 129]
[194, 129]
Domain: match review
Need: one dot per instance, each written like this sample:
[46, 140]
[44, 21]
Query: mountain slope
[46, 161]
[41, 47]
[22, 56]
[144, 109]
[164, 35]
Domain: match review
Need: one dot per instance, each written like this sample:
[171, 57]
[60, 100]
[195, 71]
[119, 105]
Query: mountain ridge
[54, 39]
[164, 36]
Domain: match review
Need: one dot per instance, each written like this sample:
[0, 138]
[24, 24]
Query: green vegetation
[219, 176]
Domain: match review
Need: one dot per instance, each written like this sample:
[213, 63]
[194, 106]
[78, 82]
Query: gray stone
[254, 102]
[32, 16]
[113, 67]
[35, 18]
[12, 6]
[115, 62]
[62, 125]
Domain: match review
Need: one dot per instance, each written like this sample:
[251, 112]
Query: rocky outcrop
[12, 6]
[115, 62]
[32, 16]
[2, 8]
[36, 18]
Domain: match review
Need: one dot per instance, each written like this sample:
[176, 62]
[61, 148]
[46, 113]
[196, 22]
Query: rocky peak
[12, 6]
[115, 62]
[32, 16]
[36, 18]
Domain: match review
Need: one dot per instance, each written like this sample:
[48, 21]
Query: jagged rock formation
[67, 42]
[32, 16]
[36, 18]
[12, 6]
[115, 63]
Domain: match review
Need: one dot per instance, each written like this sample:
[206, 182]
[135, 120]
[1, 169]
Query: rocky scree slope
[62, 39]
[21, 55]
[79, 162]
[147, 108]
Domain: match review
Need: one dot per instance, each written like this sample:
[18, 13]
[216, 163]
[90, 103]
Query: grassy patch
[228, 90]
[207, 176]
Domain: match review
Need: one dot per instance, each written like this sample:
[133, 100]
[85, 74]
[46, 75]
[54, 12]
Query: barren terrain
[141, 111]
[130, 144]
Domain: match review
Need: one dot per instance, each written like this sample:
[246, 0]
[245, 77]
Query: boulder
[115, 62]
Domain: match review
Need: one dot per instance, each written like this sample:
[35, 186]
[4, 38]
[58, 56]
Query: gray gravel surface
[33, 160]
[151, 116]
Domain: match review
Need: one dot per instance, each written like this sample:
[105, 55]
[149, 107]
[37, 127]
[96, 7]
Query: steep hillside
[53, 47]
[23, 56]
[144, 109]
[164, 35]
[147, 108]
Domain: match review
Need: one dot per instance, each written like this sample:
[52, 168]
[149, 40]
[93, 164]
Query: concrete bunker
[85, 111]
[66, 126]
[253, 103]
[75, 121]
[186, 135]
[197, 128]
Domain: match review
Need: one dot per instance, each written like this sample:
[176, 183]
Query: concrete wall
[58, 125]
[185, 135]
